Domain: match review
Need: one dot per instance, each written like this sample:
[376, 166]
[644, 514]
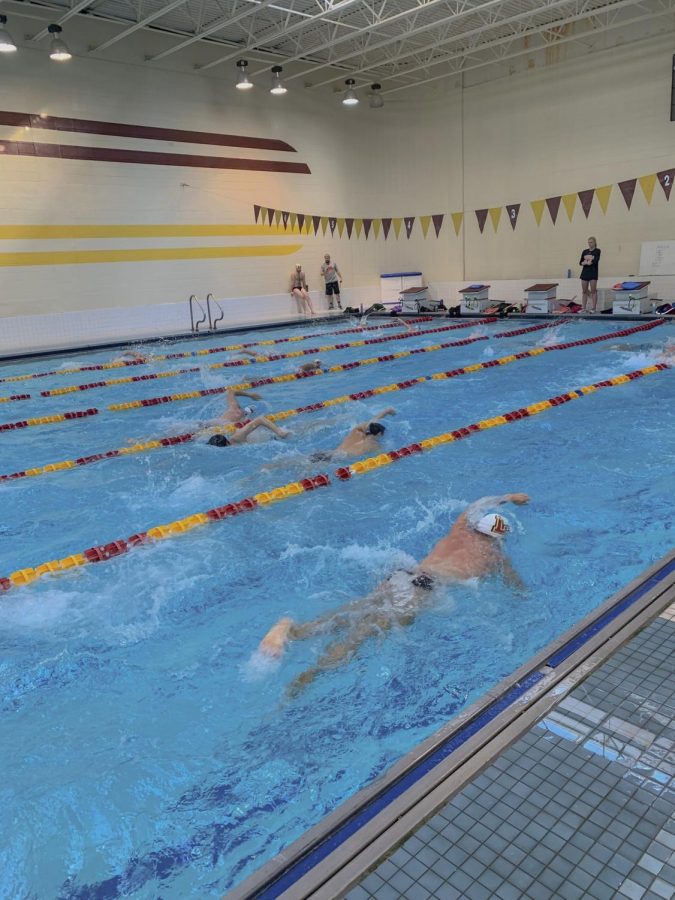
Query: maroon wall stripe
[147, 132]
[144, 157]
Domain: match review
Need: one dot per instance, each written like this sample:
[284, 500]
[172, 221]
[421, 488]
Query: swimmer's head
[298, 266]
[219, 440]
[375, 428]
[493, 525]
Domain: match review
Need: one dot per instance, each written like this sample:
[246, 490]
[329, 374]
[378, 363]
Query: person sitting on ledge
[472, 549]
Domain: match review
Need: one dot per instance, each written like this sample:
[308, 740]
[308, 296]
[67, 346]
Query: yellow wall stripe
[61, 232]
[79, 257]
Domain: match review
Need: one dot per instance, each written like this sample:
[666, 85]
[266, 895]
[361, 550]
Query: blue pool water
[148, 751]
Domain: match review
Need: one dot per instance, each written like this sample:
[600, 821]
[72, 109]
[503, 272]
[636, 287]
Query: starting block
[630, 298]
[540, 297]
[474, 298]
[413, 298]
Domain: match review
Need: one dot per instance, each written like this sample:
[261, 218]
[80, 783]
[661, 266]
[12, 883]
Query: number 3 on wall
[513, 213]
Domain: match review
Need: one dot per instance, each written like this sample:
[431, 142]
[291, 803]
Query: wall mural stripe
[83, 232]
[160, 254]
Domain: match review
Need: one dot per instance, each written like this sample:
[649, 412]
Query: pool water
[148, 749]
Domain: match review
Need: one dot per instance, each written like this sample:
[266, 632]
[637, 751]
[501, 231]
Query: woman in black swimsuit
[589, 275]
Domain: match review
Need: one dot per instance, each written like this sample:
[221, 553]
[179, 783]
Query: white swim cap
[493, 525]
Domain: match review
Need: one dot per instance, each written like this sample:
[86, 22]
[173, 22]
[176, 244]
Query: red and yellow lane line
[103, 552]
[159, 443]
[207, 351]
[309, 351]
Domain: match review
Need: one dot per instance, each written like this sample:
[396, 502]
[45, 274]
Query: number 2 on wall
[666, 180]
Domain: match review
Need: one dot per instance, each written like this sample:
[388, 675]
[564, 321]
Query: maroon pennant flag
[349, 224]
[666, 181]
[270, 215]
[256, 211]
[316, 221]
[301, 220]
[512, 211]
[627, 189]
[481, 215]
[284, 219]
[332, 222]
[367, 223]
[586, 199]
[408, 221]
[386, 225]
[438, 222]
[553, 204]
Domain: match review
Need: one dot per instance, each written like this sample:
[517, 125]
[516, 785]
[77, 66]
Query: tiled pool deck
[581, 805]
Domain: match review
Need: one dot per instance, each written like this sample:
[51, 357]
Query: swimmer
[241, 435]
[234, 412]
[362, 440]
[312, 366]
[132, 356]
[664, 354]
[472, 549]
[299, 289]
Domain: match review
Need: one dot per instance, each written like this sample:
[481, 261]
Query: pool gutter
[336, 853]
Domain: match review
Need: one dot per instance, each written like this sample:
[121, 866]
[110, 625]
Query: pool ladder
[207, 315]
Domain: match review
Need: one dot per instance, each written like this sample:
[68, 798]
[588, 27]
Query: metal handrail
[213, 323]
[195, 325]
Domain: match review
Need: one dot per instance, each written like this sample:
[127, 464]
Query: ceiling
[320, 43]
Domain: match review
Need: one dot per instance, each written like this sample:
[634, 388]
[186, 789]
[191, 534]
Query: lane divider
[15, 397]
[235, 363]
[205, 352]
[159, 443]
[50, 420]
[117, 548]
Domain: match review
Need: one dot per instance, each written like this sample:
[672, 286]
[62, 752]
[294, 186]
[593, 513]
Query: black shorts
[589, 275]
[332, 287]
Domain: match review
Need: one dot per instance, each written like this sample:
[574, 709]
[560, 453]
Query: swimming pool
[151, 751]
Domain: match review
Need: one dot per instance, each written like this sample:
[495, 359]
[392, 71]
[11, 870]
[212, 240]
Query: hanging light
[277, 83]
[376, 100]
[7, 44]
[350, 98]
[59, 49]
[243, 81]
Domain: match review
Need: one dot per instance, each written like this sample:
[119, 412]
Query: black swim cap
[219, 440]
[375, 428]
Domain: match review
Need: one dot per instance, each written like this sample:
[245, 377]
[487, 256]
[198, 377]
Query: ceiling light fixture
[277, 83]
[7, 44]
[59, 49]
[243, 81]
[350, 98]
[376, 100]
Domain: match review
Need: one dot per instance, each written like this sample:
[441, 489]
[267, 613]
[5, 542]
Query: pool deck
[559, 783]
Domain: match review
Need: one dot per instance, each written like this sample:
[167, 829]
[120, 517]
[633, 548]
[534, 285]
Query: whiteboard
[657, 258]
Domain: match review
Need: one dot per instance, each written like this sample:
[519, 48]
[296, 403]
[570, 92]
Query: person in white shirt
[331, 274]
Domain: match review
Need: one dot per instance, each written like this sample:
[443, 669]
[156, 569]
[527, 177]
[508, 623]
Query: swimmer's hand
[519, 499]
[389, 411]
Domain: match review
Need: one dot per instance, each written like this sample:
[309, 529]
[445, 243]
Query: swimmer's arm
[389, 411]
[479, 508]
[511, 577]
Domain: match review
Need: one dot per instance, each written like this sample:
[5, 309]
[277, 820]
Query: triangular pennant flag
[284, 216]
[512, 211]
[666, 181]
[397, 225]
[377, 223]
[332, 222]
[309, 222]
[425, 222]
[294, 220]
[438, 222]
[270, 216]
[537, 209]
[263, 214]
[358, 227]
[602, 194]
[256, 212]
[569, 202]
[301, 222]
[386, 225]
[553, 204]
[457, 219]
[316, 221]
[627, 189]
[350, 224]
[586, 199]
[647, 183]
[367, 223]
[409, 223]
[495, 215]
[340, 226]
[481, 215]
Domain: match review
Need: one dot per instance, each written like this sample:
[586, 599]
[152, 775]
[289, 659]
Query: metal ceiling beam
[73, 11]
[138, 26]
[530, 50]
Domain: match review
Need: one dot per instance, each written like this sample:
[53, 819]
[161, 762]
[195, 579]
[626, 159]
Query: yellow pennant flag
[538, 209]
[603, 195]
[358, 227]
[307, 224]
[377, 224]
[425, 221]
[324, 224]
[340, 226]
[263, 215]
[569, 202]
[277, 217]
[294, 221]
[457, 221]
[495, 215]
[647, 183]
[397, 226]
